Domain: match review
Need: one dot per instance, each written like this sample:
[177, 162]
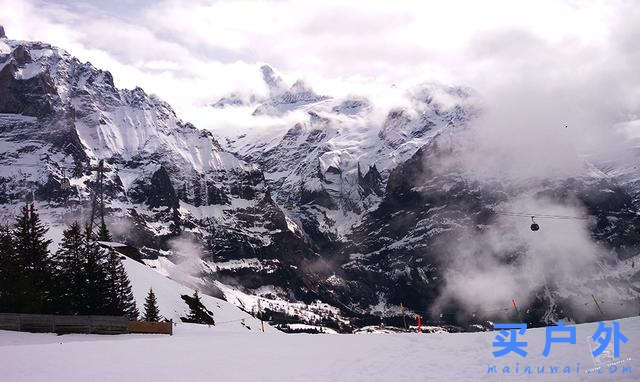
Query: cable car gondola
[534, 225]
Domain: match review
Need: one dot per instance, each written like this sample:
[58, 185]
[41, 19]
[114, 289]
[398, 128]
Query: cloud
[192, 53]
[506, 261]
[187, 253]
[549, 104]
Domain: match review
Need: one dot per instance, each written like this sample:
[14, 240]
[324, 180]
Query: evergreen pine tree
[197, 312]
[151, 311]
[194, 307]
[9, 272]
[119, 299]
[103, 233]
[94, 296]
[36, 273]
[70, 275]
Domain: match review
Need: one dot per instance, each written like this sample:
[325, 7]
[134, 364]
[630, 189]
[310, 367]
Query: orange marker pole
[515, 307]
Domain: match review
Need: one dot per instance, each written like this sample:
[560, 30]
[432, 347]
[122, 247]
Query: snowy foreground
[201, 353]
[237, 350]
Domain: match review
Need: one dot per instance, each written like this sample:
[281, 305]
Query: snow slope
[266, 297]
[198, 353]
[228, 317]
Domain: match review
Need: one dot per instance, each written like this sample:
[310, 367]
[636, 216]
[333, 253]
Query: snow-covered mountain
[330, 168]
[623, 164]
[374, 200]
[337, 219]
[280, 98]
[169, 187]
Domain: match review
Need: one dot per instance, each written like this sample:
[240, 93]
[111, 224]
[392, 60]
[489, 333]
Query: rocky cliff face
[337, 219]
[331, 168]
[430, 217]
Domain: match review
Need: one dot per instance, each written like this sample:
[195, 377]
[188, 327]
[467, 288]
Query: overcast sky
[192, 52]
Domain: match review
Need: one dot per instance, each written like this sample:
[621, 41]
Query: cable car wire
[549, 216]
[539, 216]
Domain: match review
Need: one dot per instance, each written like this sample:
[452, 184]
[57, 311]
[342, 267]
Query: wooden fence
[49, 323]
[151, 327]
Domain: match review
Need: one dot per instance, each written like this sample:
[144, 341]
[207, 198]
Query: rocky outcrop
[371, 182]
[24, 88]
[161, 192]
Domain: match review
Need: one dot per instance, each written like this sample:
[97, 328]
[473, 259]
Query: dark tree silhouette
[94, 295]
[198, 314]
[182, 194]
[36, 271]
[151, 310]
[70, 260]
[9, 271]
[119, 299]
[103, 233]
[80, 278]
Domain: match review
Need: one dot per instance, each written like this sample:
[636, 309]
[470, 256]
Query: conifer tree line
[79, 278]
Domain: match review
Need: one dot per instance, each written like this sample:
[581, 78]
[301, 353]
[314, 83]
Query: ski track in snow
[200, 353]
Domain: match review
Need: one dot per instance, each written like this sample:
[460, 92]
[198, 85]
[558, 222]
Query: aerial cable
[540, 216]
[536, 227]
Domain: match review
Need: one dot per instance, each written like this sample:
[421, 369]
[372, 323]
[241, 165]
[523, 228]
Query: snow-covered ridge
[110, 121]
[280, 100]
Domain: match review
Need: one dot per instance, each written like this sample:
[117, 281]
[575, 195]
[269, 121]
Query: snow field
[200, 353]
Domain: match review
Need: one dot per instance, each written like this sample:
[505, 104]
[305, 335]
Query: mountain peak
[273, 81]
[300, 86]
[2, 35]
